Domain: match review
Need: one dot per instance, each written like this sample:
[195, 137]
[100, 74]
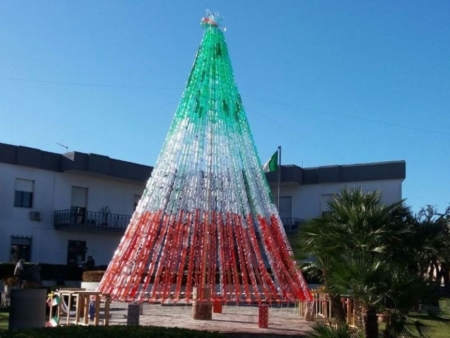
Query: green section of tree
[211, 92]
[379, 254]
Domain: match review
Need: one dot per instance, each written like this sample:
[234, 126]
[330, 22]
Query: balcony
[291, 225]
[78, 219]
[91, 221]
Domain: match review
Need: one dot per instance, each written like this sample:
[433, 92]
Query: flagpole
[279, 177]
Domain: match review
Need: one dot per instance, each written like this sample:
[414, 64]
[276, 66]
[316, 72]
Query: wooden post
[69, 305]
[202, 310]
[349, 311]
[107, 301]
[319, 304]
[354, 312]
[86, 310]
[78, 308]
[330, 309]
[97, 309]
[309, 309]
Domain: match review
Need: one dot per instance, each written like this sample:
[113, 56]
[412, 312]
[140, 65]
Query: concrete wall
[307, 199]
[52, 191]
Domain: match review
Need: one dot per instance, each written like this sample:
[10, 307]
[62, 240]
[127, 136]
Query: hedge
[93, 276]
[108, 332]
[48, 271]
[65, 272]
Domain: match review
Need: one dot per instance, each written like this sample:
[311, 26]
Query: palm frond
[324, 330]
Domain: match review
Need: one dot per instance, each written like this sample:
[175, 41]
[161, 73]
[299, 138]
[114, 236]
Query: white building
[305, 192]
[61, 208]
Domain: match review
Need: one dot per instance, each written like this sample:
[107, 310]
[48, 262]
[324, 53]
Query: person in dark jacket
[90, 263]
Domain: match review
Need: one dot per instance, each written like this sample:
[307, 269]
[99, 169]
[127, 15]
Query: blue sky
[332, 82]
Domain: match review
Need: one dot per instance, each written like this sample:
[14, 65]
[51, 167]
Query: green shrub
[325, 330]
[68, 272]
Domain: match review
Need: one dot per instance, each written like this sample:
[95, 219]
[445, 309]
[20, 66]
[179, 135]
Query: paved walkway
[284, 321]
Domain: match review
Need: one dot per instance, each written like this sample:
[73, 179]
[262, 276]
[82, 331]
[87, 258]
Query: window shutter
[24, 185]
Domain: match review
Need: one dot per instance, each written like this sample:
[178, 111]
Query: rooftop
[100, 165]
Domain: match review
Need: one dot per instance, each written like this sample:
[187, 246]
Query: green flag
[271, 164]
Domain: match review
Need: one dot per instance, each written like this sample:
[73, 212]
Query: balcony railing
[81, 220]
[76, 219]
[291, 225]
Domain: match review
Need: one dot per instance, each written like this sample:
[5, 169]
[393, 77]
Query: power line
[351, 117]
[82, 84]
[251, 97]
[94, 127]
[294, 131]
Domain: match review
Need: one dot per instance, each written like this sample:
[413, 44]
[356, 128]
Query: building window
[79, 204]
[23, 196]
[324, 200]
[76, 253]
[285, 207]
[20, 248]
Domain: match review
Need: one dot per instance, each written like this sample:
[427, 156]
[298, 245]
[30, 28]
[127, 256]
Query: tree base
[202, 310]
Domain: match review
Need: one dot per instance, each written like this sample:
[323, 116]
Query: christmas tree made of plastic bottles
[206, 218]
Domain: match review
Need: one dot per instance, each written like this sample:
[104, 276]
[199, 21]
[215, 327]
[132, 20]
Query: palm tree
[323, 330]
[356, 246]
[316, 246]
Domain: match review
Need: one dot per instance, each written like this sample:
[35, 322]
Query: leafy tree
[433, 233]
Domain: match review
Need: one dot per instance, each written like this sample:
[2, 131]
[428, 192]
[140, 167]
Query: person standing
[90, 263]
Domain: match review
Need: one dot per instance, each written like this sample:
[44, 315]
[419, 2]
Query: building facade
[61, 208]
[305, 192]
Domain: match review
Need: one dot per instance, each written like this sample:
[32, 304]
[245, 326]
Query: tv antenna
[62, 145]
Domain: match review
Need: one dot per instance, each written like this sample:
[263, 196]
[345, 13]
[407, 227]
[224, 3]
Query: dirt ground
[283, 321]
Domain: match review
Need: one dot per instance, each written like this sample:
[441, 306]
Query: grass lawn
[441, 329]
[4, 315]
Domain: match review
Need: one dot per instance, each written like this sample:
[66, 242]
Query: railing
[320, 308]
[291, 225]
[78, 219]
